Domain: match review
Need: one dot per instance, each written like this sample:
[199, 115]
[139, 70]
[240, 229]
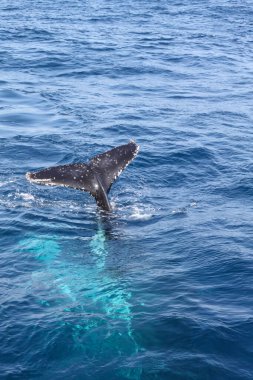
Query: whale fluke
[96, 176]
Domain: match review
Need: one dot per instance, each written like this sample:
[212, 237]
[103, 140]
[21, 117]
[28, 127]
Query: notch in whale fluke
[96, 176]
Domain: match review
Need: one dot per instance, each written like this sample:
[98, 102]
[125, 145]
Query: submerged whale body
[96, 176]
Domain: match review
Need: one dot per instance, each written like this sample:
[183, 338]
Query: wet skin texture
[96, 177]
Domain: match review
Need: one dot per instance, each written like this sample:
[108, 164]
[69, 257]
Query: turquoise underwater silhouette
[98, 304]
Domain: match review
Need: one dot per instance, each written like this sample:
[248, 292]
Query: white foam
[3, 183]
[26, 196]
[179, 211]
[140, 214]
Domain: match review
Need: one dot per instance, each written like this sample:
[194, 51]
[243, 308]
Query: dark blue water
[163, 289]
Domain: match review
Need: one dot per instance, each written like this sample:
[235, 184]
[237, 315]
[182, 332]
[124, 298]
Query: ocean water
[163, 288]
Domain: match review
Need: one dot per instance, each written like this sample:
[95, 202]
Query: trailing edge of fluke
[95, 176]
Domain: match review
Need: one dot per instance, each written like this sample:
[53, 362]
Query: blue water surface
[162, 289]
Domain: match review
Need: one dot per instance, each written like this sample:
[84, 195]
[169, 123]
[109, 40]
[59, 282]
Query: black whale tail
[96, 176]
[107, 167]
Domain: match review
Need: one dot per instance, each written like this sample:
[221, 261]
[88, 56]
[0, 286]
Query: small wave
[194, 156]
[26, 196]
[239, 189]
[140, 214]
[179, 211]
[4, 183]
[182, 211]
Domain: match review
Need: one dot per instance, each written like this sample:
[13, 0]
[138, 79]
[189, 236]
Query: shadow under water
[88, 301]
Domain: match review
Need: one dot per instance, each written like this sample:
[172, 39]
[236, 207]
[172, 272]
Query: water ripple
[161, 289]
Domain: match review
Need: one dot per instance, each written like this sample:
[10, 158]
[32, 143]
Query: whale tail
[96, 176]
